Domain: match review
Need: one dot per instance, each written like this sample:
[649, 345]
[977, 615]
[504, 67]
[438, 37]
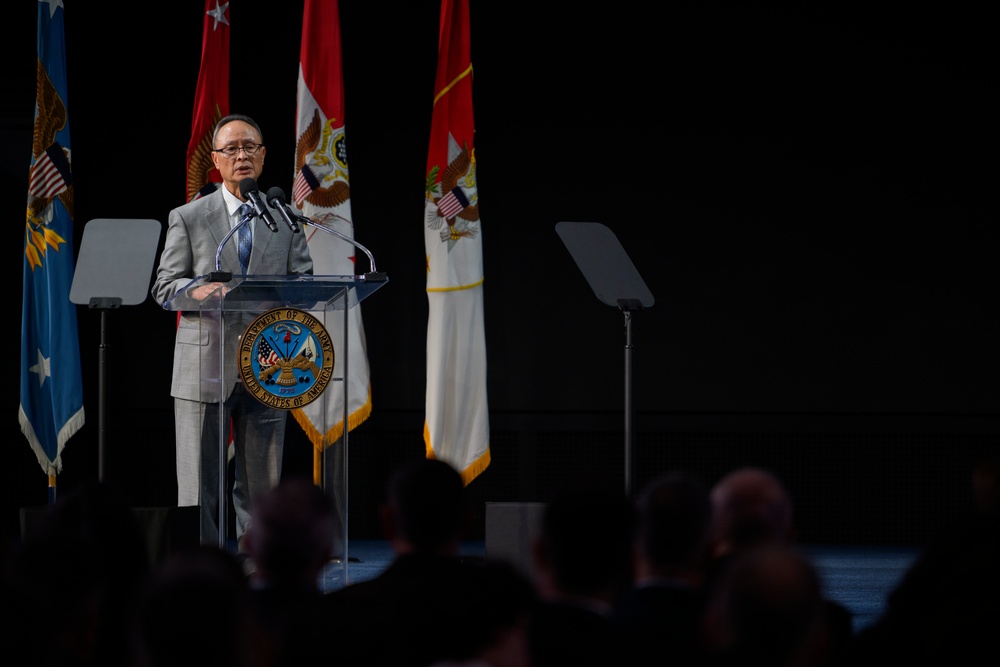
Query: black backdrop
[808, 192]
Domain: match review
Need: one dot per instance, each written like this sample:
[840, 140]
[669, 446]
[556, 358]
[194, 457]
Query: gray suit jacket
[194, 232]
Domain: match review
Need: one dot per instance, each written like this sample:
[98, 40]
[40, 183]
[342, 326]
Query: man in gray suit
[194, 232]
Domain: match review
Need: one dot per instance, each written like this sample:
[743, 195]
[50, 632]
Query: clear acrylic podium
[227, 312]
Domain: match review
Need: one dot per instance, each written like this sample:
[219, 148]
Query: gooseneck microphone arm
[276, 198]
[344, 237]
[218, 253]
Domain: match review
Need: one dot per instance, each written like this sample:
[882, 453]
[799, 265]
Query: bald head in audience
[750, 506]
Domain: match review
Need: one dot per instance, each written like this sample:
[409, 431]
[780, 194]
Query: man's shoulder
[200, 204]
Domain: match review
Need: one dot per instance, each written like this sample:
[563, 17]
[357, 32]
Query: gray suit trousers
[257, 442]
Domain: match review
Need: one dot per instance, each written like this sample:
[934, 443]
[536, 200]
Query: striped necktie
[245, 240]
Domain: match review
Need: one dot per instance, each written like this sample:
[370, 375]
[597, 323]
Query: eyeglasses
[230, 152]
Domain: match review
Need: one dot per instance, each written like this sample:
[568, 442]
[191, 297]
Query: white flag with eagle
[456, 425]
[321, 190]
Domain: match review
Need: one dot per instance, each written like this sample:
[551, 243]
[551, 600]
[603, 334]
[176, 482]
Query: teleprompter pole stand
[104, 304]
[113, 269]
[617, 283]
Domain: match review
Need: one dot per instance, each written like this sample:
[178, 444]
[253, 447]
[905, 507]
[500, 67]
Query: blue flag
[51, 409]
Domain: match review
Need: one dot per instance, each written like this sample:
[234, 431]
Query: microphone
[248, 188]
[276, 198]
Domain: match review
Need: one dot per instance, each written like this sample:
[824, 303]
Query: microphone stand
[372, 273]
[220, 276]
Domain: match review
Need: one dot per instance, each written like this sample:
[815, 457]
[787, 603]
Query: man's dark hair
[673, 518]
[294, 525]
[236, 116]
[587, 530]
[427, 498]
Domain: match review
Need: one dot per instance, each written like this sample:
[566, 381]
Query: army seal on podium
[286, 358]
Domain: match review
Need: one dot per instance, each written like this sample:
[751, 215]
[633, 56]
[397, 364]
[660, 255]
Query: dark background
[808, 192]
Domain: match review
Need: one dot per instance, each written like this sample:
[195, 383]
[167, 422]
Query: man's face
[234, 169]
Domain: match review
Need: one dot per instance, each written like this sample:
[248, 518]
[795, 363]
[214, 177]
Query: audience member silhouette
[196, 612]
[946, 608]
[661, 611]
[687, 576]
[751, 507]
[18, 630]
[582, 558]
[497, 602]
[289, 540]
[986, 486]
[765, 610]
[75, 576]
[411, 613]
[292, 536]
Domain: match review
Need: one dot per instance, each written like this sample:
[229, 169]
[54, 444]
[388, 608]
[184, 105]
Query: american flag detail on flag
[266, 356]
[51, 173]
[305, 183]
[452, 203]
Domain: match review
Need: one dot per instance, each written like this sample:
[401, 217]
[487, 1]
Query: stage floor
[860, 578]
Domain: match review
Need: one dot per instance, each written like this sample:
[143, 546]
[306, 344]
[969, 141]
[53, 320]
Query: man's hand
[202, 292]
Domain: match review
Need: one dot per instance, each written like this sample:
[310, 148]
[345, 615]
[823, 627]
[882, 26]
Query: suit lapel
[219, 225]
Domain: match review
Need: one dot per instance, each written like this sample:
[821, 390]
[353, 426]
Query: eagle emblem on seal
[286, 358]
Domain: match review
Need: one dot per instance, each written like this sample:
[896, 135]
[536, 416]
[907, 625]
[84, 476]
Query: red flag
[211, 103]
[211, 100]
[456, 426]
[322, 191]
